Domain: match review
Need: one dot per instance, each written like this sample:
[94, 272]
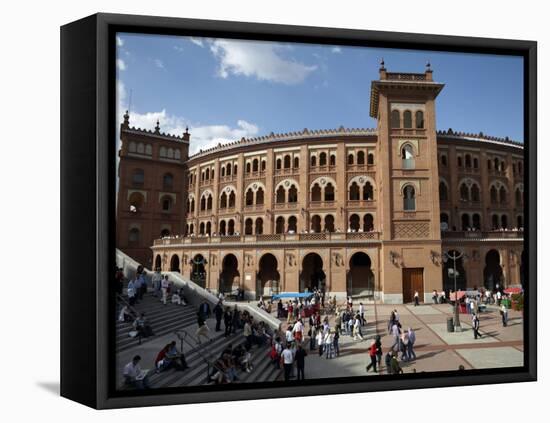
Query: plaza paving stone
[487, 358]
[423, 309]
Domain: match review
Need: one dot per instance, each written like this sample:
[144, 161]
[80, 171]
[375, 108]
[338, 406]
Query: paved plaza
[436, 349]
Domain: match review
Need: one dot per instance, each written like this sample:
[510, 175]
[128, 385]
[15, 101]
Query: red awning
[512, 291]
[460, 294]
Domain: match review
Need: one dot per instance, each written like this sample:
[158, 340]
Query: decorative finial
[428, 66]
[157, 128]
[187, 130]
[126, 118]
[382, 64]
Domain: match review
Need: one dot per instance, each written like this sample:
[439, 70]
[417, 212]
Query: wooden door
[413, 280]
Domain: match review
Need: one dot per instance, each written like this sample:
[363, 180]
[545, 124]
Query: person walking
[287, 357]
[372, 355]
[395, 368]
[299, 357]
[475, 326]
[504, 315]
[131, 293]
[165, 284]
[378, 343]
[227, 321]
[416, 299]
[362, 313]
[412, 339]
[335, 341]
[202, 330]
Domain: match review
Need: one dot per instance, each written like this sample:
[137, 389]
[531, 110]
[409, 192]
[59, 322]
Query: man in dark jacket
[300, 361]
[218, 312]
[204, 310]
[227, 321]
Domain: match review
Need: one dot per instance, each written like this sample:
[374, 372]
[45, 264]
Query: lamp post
[456, 256]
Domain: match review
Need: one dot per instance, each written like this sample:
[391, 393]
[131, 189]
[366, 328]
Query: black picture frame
[88, 125]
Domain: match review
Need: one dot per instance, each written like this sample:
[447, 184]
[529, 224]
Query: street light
[456, 256]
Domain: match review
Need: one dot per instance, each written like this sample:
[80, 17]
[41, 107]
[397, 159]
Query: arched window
[475, 193]
[354, 192]
[167, 181]
[520, 222]
[231, 227]
[292, 224]
[316, 223]
[407, 156]
[249, 197]
[502, 195]
[259, 226]
[519, 198]
[361, 158]
[263, 165]
[138, 177]
[489, 164]
[235, 167]
[419, 119]
[316, 193]
[329, 192]
[296, 162]
[350, 159]
[280, 195]
[164, 233]
[248, 227]
[444, 160]
[313, 161]
[203, 203]
[192, 209]
[407, 119]
[223, 171]
[323, 159]
[409, 198]
[443, 194]
[494, 222]
[332, 160]
[329, 223]
[255, 165]
[279, 164]
[459, 161]
[166, 203]
[476, 222]
[287, 162]
[468, 161]
[191, 229]
[223, 201]
[209, 203]
[465, 222]
[370, 159]
[260, 196]
[201, 228]
[223, 230]
[368, 223]
[494, 195]
[133, 236]
[444, 219]
[395, 119]
[476, 163]
[280, 225]
[293, 194]
[228, 169]
[207, 174]
[497, 164]
[504, 221]
[209, 228]
[212, 174]
[248, 168]
[464, 192]
[136, 201]
[231, 200]
[368, 191]
[354, 222]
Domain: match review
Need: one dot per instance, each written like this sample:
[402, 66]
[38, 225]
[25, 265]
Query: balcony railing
[285, 206]
[286, 238]
[511, 234]
[322, 204]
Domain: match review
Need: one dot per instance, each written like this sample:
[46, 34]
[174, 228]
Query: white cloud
[202, 136]
[197, 41]
[260, 60]
[336, 50]
[158, 63]
[119, 41]
[120, 64]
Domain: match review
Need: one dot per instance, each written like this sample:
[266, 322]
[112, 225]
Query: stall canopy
[293, 295]
[460, 294]
[512, 291]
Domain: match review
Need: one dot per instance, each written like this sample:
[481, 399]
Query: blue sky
[226, 89]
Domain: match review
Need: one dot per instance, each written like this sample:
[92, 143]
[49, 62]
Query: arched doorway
[448, 273]
[175, 263]
[158, 262]
[267, 282]
[198, 270]
[229, 276]
[492, 274]
[360, 275]
[312, 275]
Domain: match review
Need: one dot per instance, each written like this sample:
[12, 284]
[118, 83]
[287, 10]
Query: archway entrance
[229, 276]
[312, 275]
[158, 262]
[198, 270]
[360, 275]
[175, 263]
[492, 274]
[448, 273]
[267, 282]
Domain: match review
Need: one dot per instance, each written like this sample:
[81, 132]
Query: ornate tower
[404, 105]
